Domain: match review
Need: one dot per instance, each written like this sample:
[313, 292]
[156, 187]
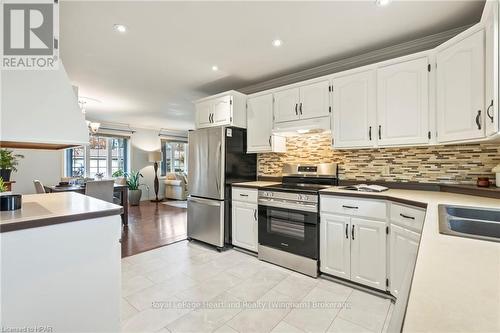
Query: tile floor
[187, 287]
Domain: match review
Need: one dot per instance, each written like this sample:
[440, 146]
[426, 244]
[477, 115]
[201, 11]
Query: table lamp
[155, 157]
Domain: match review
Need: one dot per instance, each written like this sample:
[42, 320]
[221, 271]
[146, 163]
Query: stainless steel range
[289, 216]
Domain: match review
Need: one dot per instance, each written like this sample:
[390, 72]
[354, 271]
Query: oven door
[290, 230]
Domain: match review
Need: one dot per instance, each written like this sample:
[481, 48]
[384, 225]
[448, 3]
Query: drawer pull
[243, 195]
[350, 207]
[406, 216]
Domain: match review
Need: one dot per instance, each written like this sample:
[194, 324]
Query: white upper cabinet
[354, 110]
[225, 109]
[260, 126]
[222, 110]
[204, 114]
[492, 69]
[305, 102]
[460, 89]
[286, 105]
[314, 100]
[368, 252]
[403, 103]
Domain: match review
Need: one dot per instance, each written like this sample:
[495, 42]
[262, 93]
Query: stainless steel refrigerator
[217, 158]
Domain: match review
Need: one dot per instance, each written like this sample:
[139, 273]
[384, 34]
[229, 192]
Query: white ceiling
[148, 76]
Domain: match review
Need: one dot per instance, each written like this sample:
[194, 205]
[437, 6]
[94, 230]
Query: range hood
[303, 126]
[39, 110]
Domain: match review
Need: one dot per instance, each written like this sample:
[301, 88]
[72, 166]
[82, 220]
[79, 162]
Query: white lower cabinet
[335, 250]
[244, 219]
[353, 249]
[368, 252]
[403, 254]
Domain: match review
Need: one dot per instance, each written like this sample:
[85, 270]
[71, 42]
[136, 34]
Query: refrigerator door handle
[219, 167]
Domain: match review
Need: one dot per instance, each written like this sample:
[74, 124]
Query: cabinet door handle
[270, 141]
[347, 231]
[211, 118]
[300, 108]
[350, 207]
[370, 133]
[352, 232]
[488, 111]
[296, 111]
[478, 118]
[406, 216]
[255, 214]
[380, 132]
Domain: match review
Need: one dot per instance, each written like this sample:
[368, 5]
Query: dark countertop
[40, 210]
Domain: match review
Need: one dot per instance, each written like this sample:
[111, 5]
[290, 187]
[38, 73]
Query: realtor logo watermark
[30, 34]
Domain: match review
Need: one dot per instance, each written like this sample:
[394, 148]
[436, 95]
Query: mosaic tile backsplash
[456, 164]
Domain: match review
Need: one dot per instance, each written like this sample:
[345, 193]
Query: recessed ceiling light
[382, 2]
[120, 28]
[277, 42]
[215, 68]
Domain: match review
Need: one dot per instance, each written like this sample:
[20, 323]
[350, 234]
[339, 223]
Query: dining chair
[100, 189]
[39, 187]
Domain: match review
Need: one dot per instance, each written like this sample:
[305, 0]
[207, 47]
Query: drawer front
[245, 194]
[354, 207]
[407, 216]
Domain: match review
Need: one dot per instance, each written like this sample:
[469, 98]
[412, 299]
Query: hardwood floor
[151, 225]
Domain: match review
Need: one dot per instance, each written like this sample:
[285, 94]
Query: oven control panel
[288, 196]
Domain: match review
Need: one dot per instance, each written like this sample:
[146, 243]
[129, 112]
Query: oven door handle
[313, 208]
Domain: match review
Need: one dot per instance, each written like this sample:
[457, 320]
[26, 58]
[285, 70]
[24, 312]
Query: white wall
[142, 142]
[44, 165]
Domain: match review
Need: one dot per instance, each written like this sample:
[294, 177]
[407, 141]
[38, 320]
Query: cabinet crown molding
[390, 52]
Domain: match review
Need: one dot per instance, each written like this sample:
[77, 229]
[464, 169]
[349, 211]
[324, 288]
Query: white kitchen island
[60, 265]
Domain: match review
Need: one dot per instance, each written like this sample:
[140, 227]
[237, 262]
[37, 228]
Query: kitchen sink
[471, 222]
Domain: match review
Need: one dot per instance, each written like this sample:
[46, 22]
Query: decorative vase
[5, 174]
[134, 197]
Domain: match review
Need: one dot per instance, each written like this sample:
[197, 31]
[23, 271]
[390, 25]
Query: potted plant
[120, 177]
[3, 187]
[8, 163]
[134, 192]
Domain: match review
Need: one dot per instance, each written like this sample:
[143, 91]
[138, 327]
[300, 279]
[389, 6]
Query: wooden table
[122, 191]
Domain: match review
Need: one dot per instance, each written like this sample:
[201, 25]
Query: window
[118, 154]
[76, 162]
[103, 156]
[98, 157]
[174, 157]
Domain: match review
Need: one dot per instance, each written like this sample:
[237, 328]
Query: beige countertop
[53, 208]
[456, 284]
[255, 184]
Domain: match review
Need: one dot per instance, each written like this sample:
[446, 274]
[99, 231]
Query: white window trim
[109, 163]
